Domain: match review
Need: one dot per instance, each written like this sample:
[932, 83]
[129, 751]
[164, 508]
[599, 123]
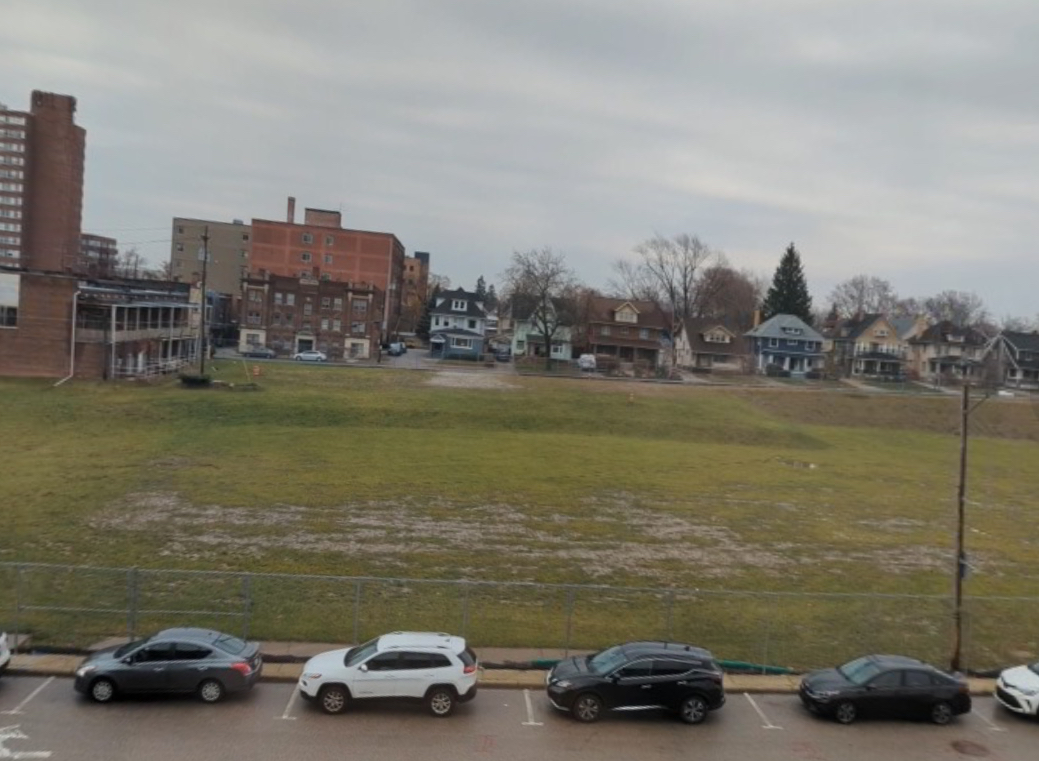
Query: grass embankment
[357, 472]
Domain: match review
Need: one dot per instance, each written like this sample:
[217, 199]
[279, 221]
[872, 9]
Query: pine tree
[789, 291]
[481, 289]
[491, 302]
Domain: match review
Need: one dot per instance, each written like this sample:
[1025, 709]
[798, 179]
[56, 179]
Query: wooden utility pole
[961, 509]
[205, 301]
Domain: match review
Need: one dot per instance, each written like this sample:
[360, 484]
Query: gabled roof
[472, 305]
[694, 328]
[945, 332]
[853, 328]
[602, 308]
[903, 325]
[1022, 341]
[779, 327]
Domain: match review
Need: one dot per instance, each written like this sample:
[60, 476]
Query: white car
[5, 653]
[1017, 689]
[435, 668]
[311, 355]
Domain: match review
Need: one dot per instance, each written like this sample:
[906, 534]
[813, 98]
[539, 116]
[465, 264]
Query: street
[42, 717]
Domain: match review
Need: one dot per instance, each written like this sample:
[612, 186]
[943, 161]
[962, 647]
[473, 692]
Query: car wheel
[334, 699]
[210, 691]
[102, 690]
[587, 708]
[845, 712]
[941, 713]
[693, 710]
[441, 701]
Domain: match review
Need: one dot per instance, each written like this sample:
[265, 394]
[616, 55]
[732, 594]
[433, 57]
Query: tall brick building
[321, 248]
[41, 184]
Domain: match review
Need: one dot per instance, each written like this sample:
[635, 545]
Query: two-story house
[528, 329]
[457, 326]
[866, 346]
[786, 342]
[631, 331]
[706, 343]
[946, 352]
[1018, 358]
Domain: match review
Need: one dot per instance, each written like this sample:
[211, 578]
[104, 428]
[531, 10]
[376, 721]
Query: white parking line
[530, 712]
[18, 708]
[768, 724]
[987, 720]
[288, 706]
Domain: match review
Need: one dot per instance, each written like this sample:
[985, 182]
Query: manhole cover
[968, 748]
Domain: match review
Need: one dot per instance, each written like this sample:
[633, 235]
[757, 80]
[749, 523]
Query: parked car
[1017, 689]
[5, 653]
[259, 352]
[586, 362]
[207, 663]
[885, 685]
[436, 668]
[311, 355]
[397, 348]
[503, 355]
[638, 676]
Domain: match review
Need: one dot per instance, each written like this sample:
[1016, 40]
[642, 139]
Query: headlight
[826, 693]
[311, 675]
[563, 684]
[1026, 691]
[82, 671]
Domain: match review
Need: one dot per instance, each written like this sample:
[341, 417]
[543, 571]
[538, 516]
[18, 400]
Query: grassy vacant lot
[361, 472]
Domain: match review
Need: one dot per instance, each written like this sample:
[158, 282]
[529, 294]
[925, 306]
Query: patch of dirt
[470, 380]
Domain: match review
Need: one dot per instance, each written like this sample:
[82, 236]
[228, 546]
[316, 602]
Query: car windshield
[358, 654]
[230, 644]
[606, 661]
[125, 649]
[860, 670]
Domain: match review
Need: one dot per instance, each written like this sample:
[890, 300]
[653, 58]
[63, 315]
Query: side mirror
[363, 668]
[128, 660]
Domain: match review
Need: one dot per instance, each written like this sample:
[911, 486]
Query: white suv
[1017, 689]
[5, 653]
[433, 667]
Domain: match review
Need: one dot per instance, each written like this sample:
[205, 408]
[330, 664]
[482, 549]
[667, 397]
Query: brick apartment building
[120, 328]
[415, 291]
[97, 255]
[41, 184]
[294, 314]
[321, 248]
[229, 245]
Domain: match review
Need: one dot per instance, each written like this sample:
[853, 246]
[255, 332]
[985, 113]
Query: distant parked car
[207, 663]
[5, 653]
[438, 669]
[638, 676]
[586, 362]
[397, 348]
[1017, 689]
[259, 352]
[885, 685]
[311, 355]
[503, 355]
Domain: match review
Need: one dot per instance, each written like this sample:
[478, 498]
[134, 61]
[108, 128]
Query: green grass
[362, 472]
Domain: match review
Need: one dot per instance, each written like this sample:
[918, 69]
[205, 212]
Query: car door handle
[647, 686]
[159, 668]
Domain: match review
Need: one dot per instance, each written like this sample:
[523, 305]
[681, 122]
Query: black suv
[638, 676]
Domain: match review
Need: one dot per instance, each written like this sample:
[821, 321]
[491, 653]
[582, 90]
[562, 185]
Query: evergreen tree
[491, 302]
[789, 291]
[481, 289]
[422, 329]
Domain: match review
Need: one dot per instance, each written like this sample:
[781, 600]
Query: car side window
[637, 670]
[155, 653]
[384, 662]
[440, 661]
[187, 651]
[669, 668]
[415, 661]
[887, 679]
[918, 679]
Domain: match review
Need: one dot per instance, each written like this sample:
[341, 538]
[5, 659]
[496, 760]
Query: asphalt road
[42, 717]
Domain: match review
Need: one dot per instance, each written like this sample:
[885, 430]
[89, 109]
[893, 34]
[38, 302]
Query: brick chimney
[290, 217]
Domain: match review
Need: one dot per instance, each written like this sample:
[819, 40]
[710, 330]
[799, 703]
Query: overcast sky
[894, 137]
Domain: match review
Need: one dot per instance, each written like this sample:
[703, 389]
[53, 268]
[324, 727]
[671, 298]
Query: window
[792, 342]
[644, 334]
[472, 324]
[290, 299]
[254, 295]
[180, 231]
[792, 331]
[458, 305]
[337, 303]
[625, 315]
[717, 337]
[11, 227]
[337, 326]
[880, 333]
[357, 327]
[243, 254]
[18, 133]
[384, 662]
[415, 661]
[308, 238]
[305, 256]
[8, 317]
[11, 213]
[277, 318]
[180, 247]
[324, 324]
[12, 174]
[624, 331]
[918, 679]
[887, 679]
[12, 160]
[13, 147]
[461, 343]
[669, 668]
[14, 187]
[360, 308]
[278, 297]
[604, 330]
[328, 258]
[155, 653]
[245, 237]
[254, 318]
[773, 342]
[326, 302]
[640, 670]
[186, 651]
[329, 240]
[308, 308]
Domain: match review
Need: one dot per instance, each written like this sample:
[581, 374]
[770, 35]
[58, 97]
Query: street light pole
[961, 509]
[202, 321]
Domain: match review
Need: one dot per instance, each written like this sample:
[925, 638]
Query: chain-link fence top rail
[76, 606]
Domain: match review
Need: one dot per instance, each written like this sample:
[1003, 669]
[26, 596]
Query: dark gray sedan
[207, 663]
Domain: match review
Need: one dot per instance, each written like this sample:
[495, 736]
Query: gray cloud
[890, 137]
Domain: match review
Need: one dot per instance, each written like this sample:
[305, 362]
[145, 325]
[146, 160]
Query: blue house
[785, 342]
[457, 325]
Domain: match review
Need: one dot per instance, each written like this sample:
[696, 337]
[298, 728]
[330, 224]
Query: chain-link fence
[75, 606]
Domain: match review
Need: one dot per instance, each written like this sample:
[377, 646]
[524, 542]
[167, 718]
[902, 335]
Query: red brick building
[41, 184]
[320, 248]
[120, 328]
[294, 314]
[97, 255]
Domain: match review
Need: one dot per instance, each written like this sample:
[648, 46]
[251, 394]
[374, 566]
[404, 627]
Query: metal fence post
[465, 608]
[131, 602]
[357, 612]
[569, 620]
[17, 606]
[247, 602]
[670, 614]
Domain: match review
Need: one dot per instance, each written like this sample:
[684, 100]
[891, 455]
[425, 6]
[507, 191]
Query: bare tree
[961, 308]
[1017, 324]
[438, 283]
[541, 281]
[130, 264]
[730, 294]
[864, 294]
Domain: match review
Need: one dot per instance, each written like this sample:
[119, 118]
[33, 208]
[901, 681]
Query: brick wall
[39, 346]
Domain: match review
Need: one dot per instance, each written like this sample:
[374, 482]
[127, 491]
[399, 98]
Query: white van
[586, 362]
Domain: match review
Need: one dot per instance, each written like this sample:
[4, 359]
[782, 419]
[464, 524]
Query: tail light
[469, 669]
[242, 668]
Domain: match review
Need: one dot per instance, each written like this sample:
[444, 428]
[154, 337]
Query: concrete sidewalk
[507, 668]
